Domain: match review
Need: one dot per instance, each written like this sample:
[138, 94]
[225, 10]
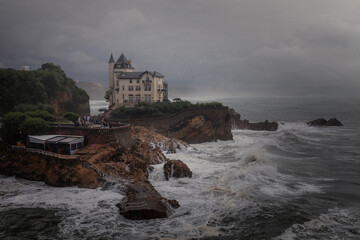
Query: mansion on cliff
[128, 87]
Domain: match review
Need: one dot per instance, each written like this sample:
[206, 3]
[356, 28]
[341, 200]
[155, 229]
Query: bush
[41, 114]
[71, 116]
[34, 126]
[12, 122]
[31, 108]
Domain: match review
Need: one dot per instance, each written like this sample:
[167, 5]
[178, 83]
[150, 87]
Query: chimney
[130, 62]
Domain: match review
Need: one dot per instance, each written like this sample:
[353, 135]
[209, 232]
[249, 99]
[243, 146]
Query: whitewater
[299, 182]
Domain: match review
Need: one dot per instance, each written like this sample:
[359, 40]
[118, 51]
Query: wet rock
[237, 123]
[144, 202]
[334, 122]
[200, 129]
[323, 122]
[97, 165]
[168, 144]
[177, 169]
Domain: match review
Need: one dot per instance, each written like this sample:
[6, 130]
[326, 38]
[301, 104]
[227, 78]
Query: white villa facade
[128, 87]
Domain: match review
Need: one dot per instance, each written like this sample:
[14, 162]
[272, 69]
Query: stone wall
[121, 134]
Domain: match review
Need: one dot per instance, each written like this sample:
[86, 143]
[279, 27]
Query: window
[123, 96]
[131, 88]
[137, 98]
[73, 147]
[117, 83]
[130, 80]
[117, 100]
[79, 145]
[137, 88]
[131, 98]
[137, 81]
[123, 87]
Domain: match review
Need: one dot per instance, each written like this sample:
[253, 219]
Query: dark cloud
[229, 47]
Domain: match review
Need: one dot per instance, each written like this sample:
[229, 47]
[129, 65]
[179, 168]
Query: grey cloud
[264, 47]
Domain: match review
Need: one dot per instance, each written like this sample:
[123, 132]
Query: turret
[111, 77]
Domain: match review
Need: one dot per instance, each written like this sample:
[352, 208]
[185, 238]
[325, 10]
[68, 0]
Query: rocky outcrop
[98, 165]
[200, 129]
[191, 125]
[259, 126]
[237, 123]
[322, 122]
[177, 169]
[169, 145]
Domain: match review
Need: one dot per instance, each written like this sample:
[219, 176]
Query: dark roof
[111, 60]
[122, 62]
[127, 75]
[137, 75]
[154, 74]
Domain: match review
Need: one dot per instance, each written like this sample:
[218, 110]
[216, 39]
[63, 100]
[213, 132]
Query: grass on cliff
[158, 109]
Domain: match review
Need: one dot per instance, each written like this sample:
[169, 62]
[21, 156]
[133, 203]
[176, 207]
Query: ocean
[299, 182]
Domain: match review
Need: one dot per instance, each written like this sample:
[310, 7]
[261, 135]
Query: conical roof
[122, 62]
[111, 60]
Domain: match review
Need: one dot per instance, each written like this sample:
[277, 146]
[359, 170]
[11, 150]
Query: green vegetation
[28, 107]
[158, 109]
[18, 124]
[41, 114]
[40, 88]
[71, 116]
[34, 126]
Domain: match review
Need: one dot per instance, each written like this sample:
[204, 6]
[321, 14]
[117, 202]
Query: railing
[46, 153]
[133, 206]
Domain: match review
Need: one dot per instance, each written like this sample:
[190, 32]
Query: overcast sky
[236, 47]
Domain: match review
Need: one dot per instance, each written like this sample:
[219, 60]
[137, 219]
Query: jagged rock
[259, 126]
[177, 169]
[143, 202]
[322, 122]
[334, 122]
[199, 129]
[237, 123]
[170, 145]
[96, 166]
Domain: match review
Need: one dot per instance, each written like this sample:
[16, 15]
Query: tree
[34, 126]
[12, 123]
[71, 116]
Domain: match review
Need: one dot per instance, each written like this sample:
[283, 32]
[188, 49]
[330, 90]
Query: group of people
[84, 121]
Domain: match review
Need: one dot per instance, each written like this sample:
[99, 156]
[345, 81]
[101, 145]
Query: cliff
[170, 145]
[98, 165]
[237, 123]
[192, 125]
[47, 85]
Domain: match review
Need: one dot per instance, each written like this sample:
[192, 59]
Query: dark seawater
[299, 182]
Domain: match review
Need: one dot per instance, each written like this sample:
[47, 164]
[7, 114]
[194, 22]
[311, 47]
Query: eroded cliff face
[154, 139]
[64, 103]
[98, 166]
[200, 129]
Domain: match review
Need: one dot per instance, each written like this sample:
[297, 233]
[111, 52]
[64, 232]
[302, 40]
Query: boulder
[334, 122]
[177, 169]
[323, 122]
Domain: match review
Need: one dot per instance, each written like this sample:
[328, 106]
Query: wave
[336, 224]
